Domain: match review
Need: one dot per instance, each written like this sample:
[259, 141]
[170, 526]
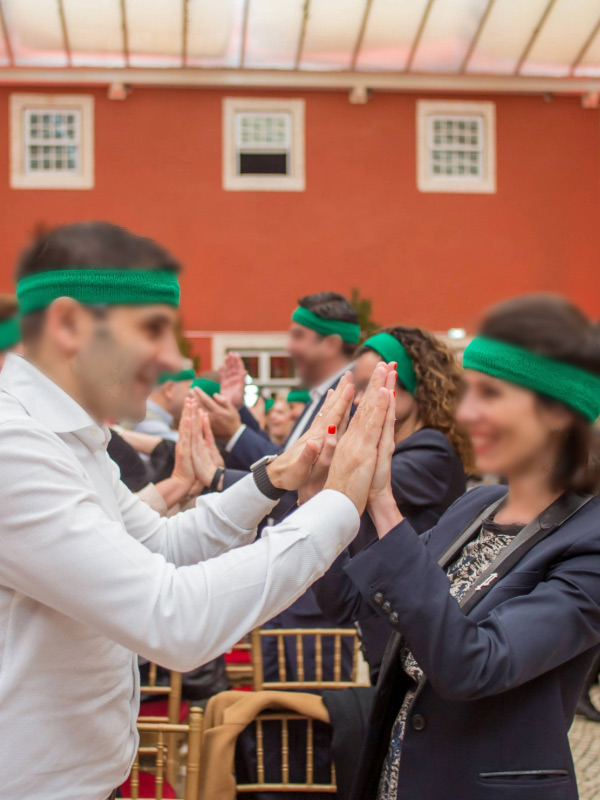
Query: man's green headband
[349, 331]
[575, 387]
[98, 287]
[298, 396]
[10, 333]
[208, 387]
[177, 377]
[390, 349]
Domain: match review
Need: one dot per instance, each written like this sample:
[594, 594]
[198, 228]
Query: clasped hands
[352, 458]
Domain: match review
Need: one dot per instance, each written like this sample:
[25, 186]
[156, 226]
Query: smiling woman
[495, 611]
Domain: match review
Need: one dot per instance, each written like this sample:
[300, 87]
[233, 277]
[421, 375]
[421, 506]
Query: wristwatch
[262, 480]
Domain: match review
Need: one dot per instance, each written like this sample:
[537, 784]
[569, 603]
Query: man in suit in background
[323, 336]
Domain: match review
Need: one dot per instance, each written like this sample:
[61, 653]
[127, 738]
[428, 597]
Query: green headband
[573, 386]
[349, 331]
[390, 349]
[208, 387]
[177, 377]
[298, 396]
[98, 287]
[269, 403]
[10, 333]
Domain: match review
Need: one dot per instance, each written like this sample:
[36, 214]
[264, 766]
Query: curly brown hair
[439, 387]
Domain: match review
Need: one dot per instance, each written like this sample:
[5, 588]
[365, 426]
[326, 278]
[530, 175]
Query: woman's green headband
[98, 287]
[298, 396]
[390, 349]
[177, 377]
[208, 387]
[10, 333]
[575, 387]
[349, 331]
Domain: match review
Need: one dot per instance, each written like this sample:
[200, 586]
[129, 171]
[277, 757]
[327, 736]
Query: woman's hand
[292, 469]
[318, 474]
[356, 455]
[381, 504]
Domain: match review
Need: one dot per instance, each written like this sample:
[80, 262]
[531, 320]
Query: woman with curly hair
[429, 462]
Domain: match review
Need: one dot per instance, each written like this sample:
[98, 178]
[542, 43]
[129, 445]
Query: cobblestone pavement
[585, 744]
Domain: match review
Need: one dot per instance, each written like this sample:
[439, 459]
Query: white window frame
[426, 180]
[263, 345]
[295, 181]
[20, 176]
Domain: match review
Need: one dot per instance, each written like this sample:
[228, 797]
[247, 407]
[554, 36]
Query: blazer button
[418, 722]
[394, 618]
[386, 607]
[378, 598]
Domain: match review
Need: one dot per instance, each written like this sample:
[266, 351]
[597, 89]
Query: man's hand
[183, 468]
[224, 417]
[292, 469]
[355, 458]
[202, 458]
[232, 377]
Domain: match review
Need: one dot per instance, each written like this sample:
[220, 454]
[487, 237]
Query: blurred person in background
[165, 404]
[279, 420]
[298, 400]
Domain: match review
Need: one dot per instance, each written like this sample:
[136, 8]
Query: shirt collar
[317, 392]
[47, 403]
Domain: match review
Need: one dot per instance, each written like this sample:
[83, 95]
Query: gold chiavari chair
[321, 635]
[152, 752]
[311, 783]
[171, 712]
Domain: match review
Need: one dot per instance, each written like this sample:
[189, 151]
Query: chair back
[301, 637]
[238, 664]
[169, 712]
[150, 765]
[309, 783]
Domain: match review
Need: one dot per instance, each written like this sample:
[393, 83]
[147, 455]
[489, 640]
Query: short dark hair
[331, 305]
[556, 328]
[8, 306]
[82, 245]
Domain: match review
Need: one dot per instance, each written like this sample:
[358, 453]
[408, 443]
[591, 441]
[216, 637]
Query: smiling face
[280, 419]
[118, 356]
[512, 431]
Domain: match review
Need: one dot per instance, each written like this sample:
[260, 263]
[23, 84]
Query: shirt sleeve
[62, 548]
[219, 522]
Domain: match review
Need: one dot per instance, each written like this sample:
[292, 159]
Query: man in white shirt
[89, 575]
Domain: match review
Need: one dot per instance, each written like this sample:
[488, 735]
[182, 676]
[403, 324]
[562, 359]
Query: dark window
[263, 164]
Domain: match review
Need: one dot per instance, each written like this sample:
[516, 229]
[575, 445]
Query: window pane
[251, 365]
[282, 367]
[263, 164]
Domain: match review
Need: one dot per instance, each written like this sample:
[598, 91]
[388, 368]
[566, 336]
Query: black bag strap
[549, 520]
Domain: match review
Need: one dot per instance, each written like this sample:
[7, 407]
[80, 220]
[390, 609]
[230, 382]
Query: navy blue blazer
[490, 720]
[254, 444]
[427, 477]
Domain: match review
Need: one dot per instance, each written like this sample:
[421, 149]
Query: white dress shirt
[91, 576]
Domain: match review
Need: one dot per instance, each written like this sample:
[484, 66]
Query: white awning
[516, 39]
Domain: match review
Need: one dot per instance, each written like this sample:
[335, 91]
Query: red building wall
[430, 259]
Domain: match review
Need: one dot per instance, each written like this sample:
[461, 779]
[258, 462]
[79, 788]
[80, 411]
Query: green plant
[364, 308]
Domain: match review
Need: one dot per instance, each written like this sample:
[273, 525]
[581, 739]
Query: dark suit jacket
[490, 720]
[427, 477]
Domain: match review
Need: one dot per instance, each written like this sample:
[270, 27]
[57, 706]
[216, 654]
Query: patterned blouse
[475, 557]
